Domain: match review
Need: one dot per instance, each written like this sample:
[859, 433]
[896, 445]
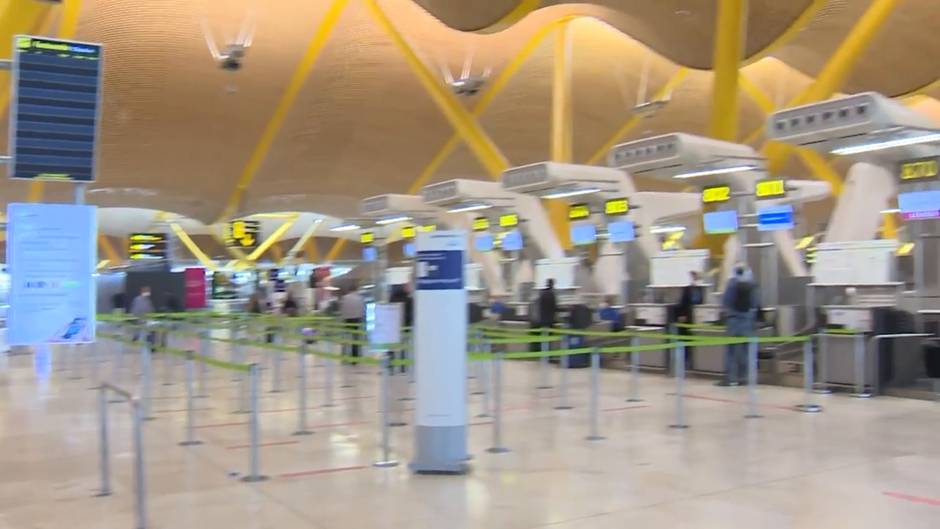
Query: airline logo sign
[243, 234]
[147, 247]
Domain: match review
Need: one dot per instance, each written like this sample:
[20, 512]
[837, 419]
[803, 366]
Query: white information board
[51, 258]
[473, 276]
[672, 268]
[398, 275]
[855, 262]
[561, 270]
[387, 322]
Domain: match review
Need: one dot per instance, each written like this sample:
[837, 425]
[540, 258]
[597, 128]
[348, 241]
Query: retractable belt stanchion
[190, 395]
[485, 379]
[859, 353]
[254, 429]
[543, 363]
[678, 361]
[276, 361]
[137, 438]
[594, 434]
[347, 349]
[95, 358]
[302, 390]
[476, 372]
[808, 379]
[146, 379]
[328, 374]
[752, 380]
[634, 373]
[205, 349]
[497, 385]
[563, 385]
[822, 386]
[384, 418]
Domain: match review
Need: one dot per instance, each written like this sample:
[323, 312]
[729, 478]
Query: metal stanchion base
[634, 400]
[861, 395]
[498, 450]
[200, 396]
[753, 416]
[167, 384]
[102, 495]
[678, 426]
[347, 386]
[75, 378]
[396, 424]
[255, 479]
[385, 464]
[544, 387]
[482, 415]
[276, 391]
[477, 393]
[240, 412]
[724, 384]
[594, 438]
[819, 390]
[302, 432]
[404, 399]
[564, 407]
[149, 418]
[190, 443]
[808, 408]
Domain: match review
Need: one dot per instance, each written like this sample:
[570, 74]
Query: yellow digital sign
[427, 227]
[408, 232]
[578, 211]
[770, 188]
[714, 194]
[481, 224]
[616, 206]
[509, 220]
[367, 237]
[919, 169]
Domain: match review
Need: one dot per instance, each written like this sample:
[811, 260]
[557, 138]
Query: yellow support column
[273, 239]
[562, 128]
[838, 68]
[730, 30]
[109, 250]
[335, 250]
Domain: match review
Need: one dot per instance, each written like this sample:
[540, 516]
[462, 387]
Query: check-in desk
[710, 359]
[654, 319]
[847, 340]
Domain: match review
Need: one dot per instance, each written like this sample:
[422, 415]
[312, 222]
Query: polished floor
[859, 464]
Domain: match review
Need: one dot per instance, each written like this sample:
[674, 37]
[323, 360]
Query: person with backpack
[740, 304]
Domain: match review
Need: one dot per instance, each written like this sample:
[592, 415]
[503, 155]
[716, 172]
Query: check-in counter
[652, 359]
[710, 359]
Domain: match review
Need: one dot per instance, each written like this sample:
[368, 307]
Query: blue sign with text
[440, 270]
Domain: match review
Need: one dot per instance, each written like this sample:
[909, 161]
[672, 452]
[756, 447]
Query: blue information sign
[55, 109]
[440, 270]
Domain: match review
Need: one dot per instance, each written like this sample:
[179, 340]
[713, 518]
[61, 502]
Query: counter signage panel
[367, 237]
[481, 224]
[578, 211]
[55, 109]
[775, 218]
[147, 247]
[427, 228]
[920, 169]
[408, 232]
[509, 220]
[243, 234]
[773, 188]
[616, 206]
[713, 194]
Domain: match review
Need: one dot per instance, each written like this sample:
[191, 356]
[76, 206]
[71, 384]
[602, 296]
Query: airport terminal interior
[501, 264]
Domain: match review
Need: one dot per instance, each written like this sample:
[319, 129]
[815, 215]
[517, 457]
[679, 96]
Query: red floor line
[732, 401]
[262, 445]
[935, 502]
[625, 408]
[319, 471]
[313, 427]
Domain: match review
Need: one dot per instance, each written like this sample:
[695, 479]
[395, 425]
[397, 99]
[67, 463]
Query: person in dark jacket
[740, 304]
[402, 294]
[692, 295]
[548, 305]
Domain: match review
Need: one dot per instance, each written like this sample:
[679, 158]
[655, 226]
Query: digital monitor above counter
[720, 222]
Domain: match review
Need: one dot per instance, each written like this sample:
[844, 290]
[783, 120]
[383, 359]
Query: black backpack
[742, 296]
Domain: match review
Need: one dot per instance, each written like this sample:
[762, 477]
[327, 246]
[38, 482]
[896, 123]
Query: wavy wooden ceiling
[178, 131]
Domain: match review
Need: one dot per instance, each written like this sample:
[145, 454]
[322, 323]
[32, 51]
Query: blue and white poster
[51, 257]
[440, 270]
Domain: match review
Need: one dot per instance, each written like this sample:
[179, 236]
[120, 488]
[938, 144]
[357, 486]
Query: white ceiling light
[345, 227]
[716, 171]
[890, 211]
[887, 144]
[666, 229]
[463, 208]
[570, 192]
[392, 220]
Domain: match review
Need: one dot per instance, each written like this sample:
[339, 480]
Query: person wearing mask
[739, 303]
[352, 309]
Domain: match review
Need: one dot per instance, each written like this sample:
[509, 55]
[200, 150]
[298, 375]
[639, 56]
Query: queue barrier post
[137, 439]
[497, 383]
[190, 439]
[254, 429]
[752, 412]
[104, 447]
[634, 373]
[276, 364]
[384, 419]
[563, 385]
[205, 350]
[678, 361]
[543, 363]
[302, 390]
[146, 379]
[328, 373]
[808, 379]
[485, 379]
[594, 434]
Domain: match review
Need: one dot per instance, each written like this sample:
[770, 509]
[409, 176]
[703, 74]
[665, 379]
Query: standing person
[692, 295]
[548, 305]
[739, 302]
[352, 308]
[402, 294]
[141, 306]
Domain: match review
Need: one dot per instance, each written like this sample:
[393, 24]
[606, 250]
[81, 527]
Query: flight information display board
[54, 111]
[147, 247]
[616, 206]
[243, 234]
[771, 188]
[713, 194]
[579, 211]
[920, 169]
